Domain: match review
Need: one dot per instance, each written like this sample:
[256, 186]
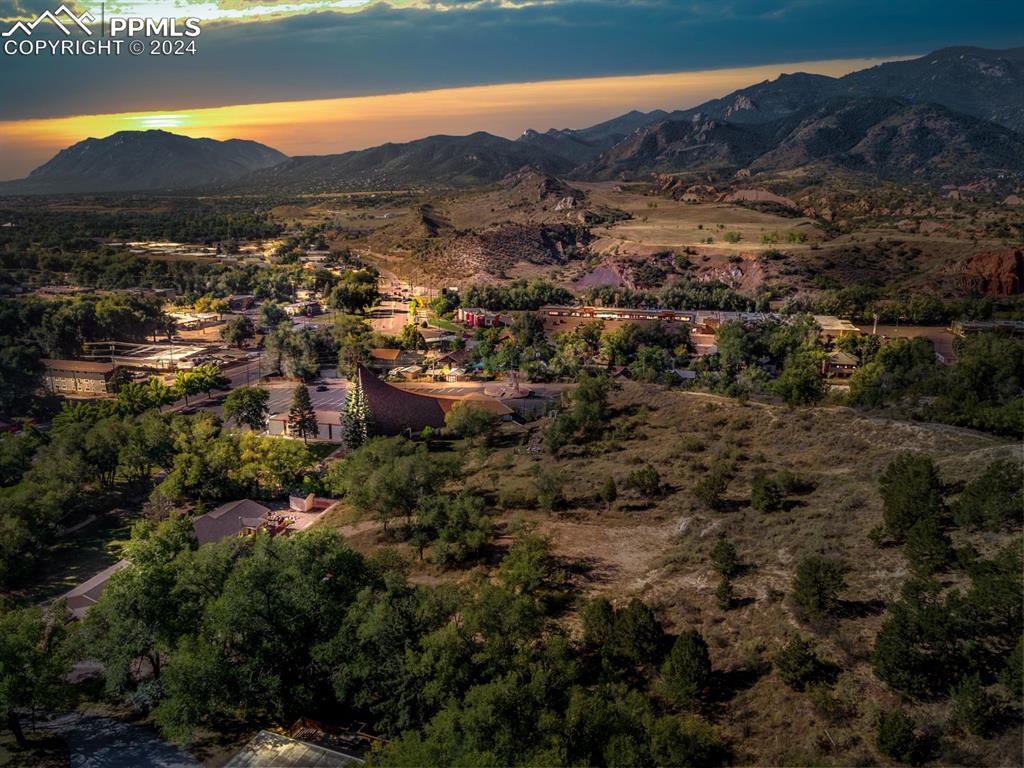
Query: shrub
[687, 670]
[550, 487]
[732, 236]
[971, 705]
[710, 488]
[766, 494]
[798, 665]
[927, 547]
[910, 490]
[646, 481]
[685, 741]
[896, 737]
[724, 558]
[691, 444]
[994, 499]
[817, 585]
[723, 594]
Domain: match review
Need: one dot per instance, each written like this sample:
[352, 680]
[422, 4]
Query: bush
[691, 444]
[724, 558]
[550, 487]
[723, 594]
[896, 737]
[927, 547]
[798, 665]
[910, 491]
[646, 481]
[710, 488]
[686, 742]
[994, 499]
[766, 494]
[687, 670]
[817, 585]
[971, 706]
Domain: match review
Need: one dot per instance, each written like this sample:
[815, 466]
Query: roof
[274, 750]
[830, 323]
[482, 402]
[842, 357]
[394, 410]
[229, 520]
[78, 366]
[84, 596]
[385, 353]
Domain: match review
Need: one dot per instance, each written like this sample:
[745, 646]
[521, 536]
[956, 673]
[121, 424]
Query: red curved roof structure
[394, 410]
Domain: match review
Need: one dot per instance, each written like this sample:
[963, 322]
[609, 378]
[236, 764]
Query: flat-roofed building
[78, 377]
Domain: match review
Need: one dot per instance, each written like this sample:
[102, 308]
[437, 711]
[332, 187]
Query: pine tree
[356, 418]
[301, 416]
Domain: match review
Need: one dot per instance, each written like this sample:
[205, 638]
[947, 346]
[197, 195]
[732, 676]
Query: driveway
[102, 742]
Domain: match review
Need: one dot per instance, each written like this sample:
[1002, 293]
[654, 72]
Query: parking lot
[333, 399]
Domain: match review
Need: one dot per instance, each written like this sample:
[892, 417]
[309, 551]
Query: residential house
[231, 519]
[839, 364]
[85, 595]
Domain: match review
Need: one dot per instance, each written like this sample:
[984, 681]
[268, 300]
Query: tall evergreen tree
[301, 416]
[355, 420]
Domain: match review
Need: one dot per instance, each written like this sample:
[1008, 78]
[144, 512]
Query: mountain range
[145, 161]
[953, 116]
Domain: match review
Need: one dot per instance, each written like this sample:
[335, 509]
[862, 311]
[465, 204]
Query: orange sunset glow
[325, 126]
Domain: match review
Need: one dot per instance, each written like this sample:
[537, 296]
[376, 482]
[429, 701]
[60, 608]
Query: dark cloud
[386, 50]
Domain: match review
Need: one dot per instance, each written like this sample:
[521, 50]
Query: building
[832, 328]
[275, 750]
[78, 377]
[194, 321]
[85, 595]
[232, 519]
[839, 364]
[395, 410]
[241, 302]
[328, 426]
[474, 317]
[1013, 328]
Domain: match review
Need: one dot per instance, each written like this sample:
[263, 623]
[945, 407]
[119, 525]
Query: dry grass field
[660, 551]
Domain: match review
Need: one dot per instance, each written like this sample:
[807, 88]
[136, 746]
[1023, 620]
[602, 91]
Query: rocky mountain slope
[131, 161]
[458, 161]
[883, 137]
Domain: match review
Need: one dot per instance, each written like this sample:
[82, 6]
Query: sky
[320, 76]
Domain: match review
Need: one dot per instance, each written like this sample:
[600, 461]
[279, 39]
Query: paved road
[101, 742]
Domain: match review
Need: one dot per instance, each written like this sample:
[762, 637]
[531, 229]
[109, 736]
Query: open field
[659, 551]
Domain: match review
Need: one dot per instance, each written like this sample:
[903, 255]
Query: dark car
[322, 388]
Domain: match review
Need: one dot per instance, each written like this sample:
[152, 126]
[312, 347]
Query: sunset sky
[321, 76]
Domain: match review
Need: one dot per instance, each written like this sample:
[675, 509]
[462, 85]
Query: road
[102, 742]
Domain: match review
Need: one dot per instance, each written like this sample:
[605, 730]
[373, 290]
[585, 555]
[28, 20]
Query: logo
[28, 28]
[135, 35]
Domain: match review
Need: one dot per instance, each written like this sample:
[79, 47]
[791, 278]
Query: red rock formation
[997, 274]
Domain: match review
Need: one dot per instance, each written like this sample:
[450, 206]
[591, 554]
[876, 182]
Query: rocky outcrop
[996, 274]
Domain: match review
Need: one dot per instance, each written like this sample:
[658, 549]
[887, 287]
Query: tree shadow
[729, 683]
[861, 609]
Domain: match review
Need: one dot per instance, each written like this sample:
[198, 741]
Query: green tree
[711, 487]
[248, 406]
[471, 421]
[687, 668]
[798, 665]
[238, 330]
[550, 484]
[687, 742]
[301, 416]
[724, 593]
[896, 737]
[971, 706]
[817, 585]
[800, 382]
[927, 547]
[357, 292]
[34, 662]
[272, 314]
[994, 499]
[356, 418]
[910, 491]
[724, 558]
